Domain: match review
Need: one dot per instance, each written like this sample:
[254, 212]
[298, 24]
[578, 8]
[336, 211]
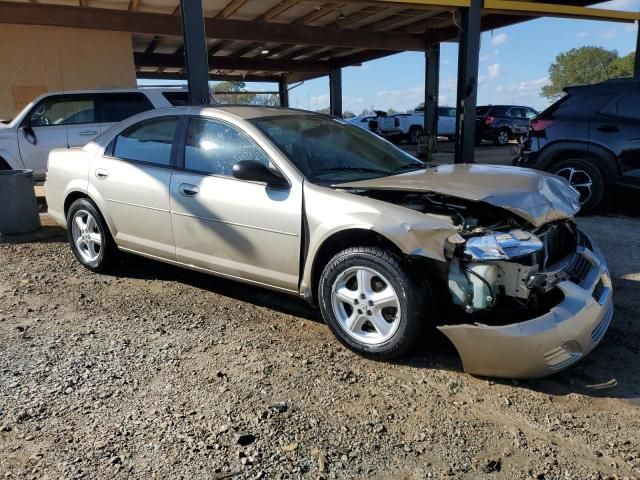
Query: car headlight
[502, 245]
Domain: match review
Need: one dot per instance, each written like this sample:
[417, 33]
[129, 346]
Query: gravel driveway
[156, 372]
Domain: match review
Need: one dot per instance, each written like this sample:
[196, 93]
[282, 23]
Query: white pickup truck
[410, 126]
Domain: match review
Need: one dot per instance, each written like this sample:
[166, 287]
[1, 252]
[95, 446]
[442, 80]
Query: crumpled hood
[537, 197]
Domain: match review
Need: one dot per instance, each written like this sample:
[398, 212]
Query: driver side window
[214, 147]
[63, 110]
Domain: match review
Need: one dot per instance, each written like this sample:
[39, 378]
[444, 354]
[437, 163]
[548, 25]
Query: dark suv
[591, 136]
[501, 123]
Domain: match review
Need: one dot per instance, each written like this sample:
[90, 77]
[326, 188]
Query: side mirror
[254, 171]
[29, 134]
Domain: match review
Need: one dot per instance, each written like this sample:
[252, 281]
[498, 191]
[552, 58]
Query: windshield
[328, 151]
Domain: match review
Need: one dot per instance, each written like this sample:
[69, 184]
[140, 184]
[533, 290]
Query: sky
[514, 65]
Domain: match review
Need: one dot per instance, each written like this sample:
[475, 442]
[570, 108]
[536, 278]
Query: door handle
[608, 129]
[101, 173]
[88, 133]
[188, 190]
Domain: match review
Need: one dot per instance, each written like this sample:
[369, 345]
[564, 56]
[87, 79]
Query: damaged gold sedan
[386, 246]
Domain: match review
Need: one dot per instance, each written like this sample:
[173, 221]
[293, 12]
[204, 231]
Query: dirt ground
[157, 372]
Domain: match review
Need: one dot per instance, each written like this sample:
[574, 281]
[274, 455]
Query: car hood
[535, 196]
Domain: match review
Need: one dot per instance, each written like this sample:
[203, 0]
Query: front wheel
[586, 178]
[371, 302]
[89, 236]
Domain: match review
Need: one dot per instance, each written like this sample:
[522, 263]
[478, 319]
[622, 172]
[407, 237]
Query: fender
[14, 161]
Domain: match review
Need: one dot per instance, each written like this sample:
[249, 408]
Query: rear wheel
[586, 178]
[371, 302]
[89, 236]
[414, 134]
[502, 137]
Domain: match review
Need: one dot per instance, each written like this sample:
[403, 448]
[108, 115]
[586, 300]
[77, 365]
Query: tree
[623, 66]
[392, 111]
[348, 114]
[580, 66]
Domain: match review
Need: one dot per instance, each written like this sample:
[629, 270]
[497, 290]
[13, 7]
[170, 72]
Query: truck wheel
[414, 134]
[502, 137]
[89, 236]
[371, 303]
[586, 178]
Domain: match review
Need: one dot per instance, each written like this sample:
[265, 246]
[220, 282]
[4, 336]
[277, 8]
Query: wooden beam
[233, 63]
[534, 9]
[134, 5]
[318, 13]
[359, 16]
[212, 76]
[232, 7]
[158, 24]
[277, 10]
[153, 44]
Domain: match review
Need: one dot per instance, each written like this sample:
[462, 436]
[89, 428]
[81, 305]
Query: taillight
[540, 124]
[489, 120]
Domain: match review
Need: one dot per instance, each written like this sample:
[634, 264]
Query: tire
[585, 177]
[353, 282]
[414, 135]
[91, 243]
[502, 137]
[4, 165]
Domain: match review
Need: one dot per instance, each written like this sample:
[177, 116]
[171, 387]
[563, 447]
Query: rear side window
[149, 141]
[115, 107]
[177, 99]
[482, 110]
[579, 105]
[446, 112]
[629, 105]
[63, 110]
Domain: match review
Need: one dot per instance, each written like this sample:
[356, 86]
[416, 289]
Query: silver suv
[71, 119]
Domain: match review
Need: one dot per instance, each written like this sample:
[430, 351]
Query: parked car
[501, 123]
[362, 121]
[73, 118]
[410, 126]
[307, 205]
[591, 136]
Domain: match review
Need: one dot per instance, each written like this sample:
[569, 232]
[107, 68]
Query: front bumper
[546, 344]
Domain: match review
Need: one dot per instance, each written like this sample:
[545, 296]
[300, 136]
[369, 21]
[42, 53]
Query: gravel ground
[158, 372]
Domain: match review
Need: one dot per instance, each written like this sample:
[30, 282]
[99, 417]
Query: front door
[242, 229]
[133, 179]
[46, 127]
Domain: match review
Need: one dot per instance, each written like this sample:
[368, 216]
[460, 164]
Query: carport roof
[296, 39]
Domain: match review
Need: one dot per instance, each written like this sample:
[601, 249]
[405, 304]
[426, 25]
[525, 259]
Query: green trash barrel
[18, 204]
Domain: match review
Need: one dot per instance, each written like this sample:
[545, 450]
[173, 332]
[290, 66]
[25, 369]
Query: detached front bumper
[546, 344]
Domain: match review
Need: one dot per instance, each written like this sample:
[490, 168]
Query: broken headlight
[502, 245]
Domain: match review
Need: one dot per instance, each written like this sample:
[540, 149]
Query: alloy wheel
[503, 137]
[366, 305]
[86, 236]
[580, 180]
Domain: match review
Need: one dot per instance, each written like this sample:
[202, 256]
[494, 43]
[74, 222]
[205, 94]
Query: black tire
[413, 295]
[502, 137]
[596, 191]
[415, 133]
[4, 165]
[107, 250]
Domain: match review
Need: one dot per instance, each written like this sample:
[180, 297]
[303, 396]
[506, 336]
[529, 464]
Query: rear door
[518, 121]
[82, 120]
[617, 128]
[133, 179]
[115, 107]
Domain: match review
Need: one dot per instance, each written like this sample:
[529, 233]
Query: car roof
[118, 90]
[247, 112]
[613, 84]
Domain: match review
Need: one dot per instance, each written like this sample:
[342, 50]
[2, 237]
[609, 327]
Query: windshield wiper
[409, 167]
[353, 169]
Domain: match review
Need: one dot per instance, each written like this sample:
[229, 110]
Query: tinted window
[517, 112]
[215, 147]
[530, 113]
[67, 110]
[629, 105]
[482, 110]
[177, 99]
[446, 112]
[115, 107]
[147, 141]
[579, 104]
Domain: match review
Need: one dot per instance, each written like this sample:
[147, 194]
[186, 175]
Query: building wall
[35, 59]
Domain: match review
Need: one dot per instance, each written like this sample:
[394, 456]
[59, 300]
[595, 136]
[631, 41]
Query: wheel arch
[4, 165]
[74, 195]
[341, 240]
[603, 159]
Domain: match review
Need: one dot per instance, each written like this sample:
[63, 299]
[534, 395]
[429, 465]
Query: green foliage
[231, 92]
[348, 114]
[585, 65]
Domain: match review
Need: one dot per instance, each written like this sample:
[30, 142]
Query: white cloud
[582, 34]
[499, 39]
[610, 33]
[495, 70]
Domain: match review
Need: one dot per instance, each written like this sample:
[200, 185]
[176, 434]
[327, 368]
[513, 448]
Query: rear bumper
[547, 344]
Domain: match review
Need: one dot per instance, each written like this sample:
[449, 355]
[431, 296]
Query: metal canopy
[294, 39]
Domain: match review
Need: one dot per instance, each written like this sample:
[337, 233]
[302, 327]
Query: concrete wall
[35, 59]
